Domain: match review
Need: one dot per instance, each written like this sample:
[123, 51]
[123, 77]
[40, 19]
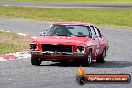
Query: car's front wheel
[102, 57]
[35, 61]
[88, 60]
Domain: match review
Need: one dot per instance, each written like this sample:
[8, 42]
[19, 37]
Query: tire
[35, 61]
[88, 60]
[102, 57]
[63, 63]
[81, 80]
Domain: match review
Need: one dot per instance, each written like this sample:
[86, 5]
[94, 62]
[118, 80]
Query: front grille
[57, 48]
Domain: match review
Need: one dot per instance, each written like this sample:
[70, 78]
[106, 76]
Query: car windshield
[68, 30]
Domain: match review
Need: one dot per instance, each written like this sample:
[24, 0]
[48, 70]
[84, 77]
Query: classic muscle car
[69, 41]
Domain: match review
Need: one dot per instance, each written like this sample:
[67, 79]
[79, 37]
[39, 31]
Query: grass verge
[76, 1]
[111, 17]
[12, 42]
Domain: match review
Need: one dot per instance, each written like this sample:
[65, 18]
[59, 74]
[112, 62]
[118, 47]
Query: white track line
[5, 5]
[22, 34]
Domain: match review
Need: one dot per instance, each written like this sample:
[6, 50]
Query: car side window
[97, 32]
[93, 32]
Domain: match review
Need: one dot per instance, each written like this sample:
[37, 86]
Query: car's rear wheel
[102, 57]
[35, 61]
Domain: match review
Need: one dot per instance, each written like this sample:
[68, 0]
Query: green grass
[110, 17]
[12, 42]
[76, 1]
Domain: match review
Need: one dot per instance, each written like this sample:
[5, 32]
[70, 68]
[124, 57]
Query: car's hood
[61, 40]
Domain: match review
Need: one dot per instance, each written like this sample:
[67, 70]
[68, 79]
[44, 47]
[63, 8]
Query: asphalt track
[21, 74]
[56, 5]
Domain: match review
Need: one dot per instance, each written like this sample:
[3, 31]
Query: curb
[15, 56]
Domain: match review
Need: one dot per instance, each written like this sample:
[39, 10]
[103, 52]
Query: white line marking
[34, 37]
[2, 30]
[21, 34]
[2, 59]
[7, 31]
[5, 5]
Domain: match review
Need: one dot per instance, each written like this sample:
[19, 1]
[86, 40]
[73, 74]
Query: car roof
[72, 23]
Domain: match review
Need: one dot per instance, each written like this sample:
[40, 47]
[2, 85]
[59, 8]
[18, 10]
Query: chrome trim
[50, 53]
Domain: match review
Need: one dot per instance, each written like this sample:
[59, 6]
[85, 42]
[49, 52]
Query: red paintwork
[61, 40]
[73, 40]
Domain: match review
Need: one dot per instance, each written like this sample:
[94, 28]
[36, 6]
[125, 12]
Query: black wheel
[102, 57]
[81, 80]
[35, 61]
[88, 59]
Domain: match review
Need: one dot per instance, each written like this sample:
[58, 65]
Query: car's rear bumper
[58, 56]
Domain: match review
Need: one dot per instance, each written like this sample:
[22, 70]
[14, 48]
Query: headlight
[90, 44]
[33, 46]
[80, 49]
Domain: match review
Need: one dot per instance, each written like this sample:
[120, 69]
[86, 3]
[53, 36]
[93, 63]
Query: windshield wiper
[63, 35]
[80, 35]
[50, 35]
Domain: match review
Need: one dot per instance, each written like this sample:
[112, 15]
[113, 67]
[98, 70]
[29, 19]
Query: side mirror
[96, 36]
[101, 36]
[42, 34]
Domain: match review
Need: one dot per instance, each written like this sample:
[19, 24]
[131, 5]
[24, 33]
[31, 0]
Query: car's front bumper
[58, 55]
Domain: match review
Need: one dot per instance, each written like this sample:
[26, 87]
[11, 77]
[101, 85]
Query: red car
[69, 41]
